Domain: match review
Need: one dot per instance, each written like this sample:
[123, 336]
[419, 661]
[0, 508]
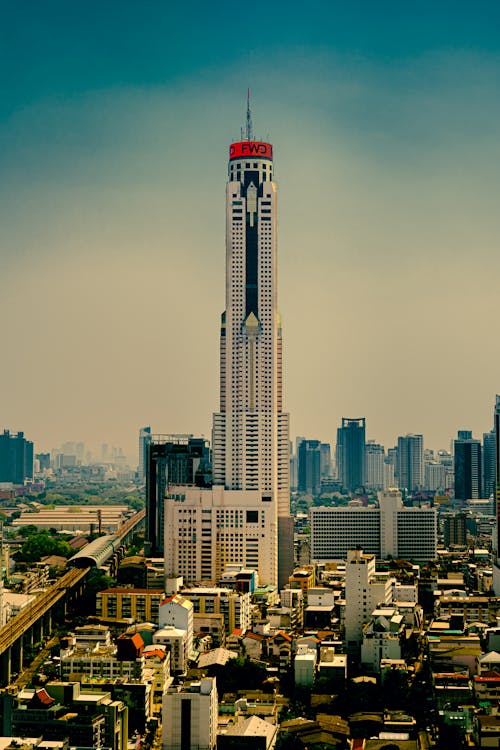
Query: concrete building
[189, 716]
[351, 453]
[382, 637]
[411, 462]
[175, 641]
[374, 466]
[140, 605]
[211, 528]
[16, 458]
[467, 466]
[309, 467]
[251, 733]
[170, 459]
[178, 611]
[391, 529]
[251, 443]
[364, 590]
[234, 605]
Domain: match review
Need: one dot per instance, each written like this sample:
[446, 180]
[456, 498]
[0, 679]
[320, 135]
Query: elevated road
[34, 621]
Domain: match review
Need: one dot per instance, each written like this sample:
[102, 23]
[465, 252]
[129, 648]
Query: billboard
[247, 149]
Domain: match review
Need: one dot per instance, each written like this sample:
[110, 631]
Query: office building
[326, 460]
[16, 458]
[435, 476]
[351, 453]
[468, 466]
[374, 466]
[390, 529]
[411, 462]
[251, 448]
[211, 528]
[170, 459]
[309, 469]
[489, 450]
[144, 440]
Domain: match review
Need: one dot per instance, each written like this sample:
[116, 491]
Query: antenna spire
[249, 126]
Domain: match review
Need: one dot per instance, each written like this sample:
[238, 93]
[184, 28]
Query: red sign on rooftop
[247, 149]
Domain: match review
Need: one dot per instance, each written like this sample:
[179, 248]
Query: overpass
[34, 622]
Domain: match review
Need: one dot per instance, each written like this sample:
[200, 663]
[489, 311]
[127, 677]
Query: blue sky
[114, 126]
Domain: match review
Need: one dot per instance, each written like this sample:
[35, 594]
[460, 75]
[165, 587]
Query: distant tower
[467, 463]
[411, 462]
[310, 467]
[351, 453]
[488, 453]
[144, 440]
[251, 449]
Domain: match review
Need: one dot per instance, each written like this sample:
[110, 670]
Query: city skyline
[385, 139]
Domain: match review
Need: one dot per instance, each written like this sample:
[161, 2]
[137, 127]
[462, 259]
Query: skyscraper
[16, 458]
[309, 473]
[351, 453]
[251, 449]
[489, 452]
[467, 463]
[411, 462]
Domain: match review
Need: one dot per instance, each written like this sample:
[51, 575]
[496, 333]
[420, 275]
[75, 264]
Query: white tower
[251, 449]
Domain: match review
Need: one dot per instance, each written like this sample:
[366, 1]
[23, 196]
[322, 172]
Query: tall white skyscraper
[251, 449]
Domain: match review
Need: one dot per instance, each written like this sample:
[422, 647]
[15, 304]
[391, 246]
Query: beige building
[140, 605]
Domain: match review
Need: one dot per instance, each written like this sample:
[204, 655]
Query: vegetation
[40, 544]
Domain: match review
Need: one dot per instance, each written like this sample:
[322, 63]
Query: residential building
[234, 605]
[140, 605]
[189, 716]
[364, 590]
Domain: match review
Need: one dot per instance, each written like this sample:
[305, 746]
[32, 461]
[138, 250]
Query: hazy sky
[115, 121]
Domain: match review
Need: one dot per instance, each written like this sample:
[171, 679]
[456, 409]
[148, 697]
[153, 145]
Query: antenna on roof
[249, 127]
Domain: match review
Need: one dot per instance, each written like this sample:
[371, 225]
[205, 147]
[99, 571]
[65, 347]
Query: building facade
[16, 458]
[170, 459]
[351, 453]
[411, 462]
[309, 468]
[391, 529]
[468, 467]
[251, 449]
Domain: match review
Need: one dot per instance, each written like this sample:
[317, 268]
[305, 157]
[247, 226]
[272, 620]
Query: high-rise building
[496, 429]
[170, 459]
[489, 451]
[496, 535]
[411, 462]
[16, 458]
[326, 460]
[468, 467]
[374, 466]
[309, 470]
[351, 453]
[251, 449]
[144, 440]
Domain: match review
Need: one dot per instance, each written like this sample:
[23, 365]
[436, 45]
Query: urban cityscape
[256, 588]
